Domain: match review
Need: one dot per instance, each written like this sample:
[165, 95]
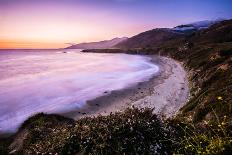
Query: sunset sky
[53, 23]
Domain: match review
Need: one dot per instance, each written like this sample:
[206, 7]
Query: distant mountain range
[98, 45]
[151, 38]
[163, 36]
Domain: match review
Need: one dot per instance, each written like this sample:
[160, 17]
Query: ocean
[59, 81]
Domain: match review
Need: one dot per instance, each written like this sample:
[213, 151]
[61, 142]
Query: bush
[131, 132]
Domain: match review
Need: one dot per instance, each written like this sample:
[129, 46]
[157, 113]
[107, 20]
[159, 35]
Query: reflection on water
[61, 80]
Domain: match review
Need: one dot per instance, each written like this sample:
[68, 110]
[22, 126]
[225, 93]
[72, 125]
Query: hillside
[164, 36]
[208, 56]
[98, 45]
[217, 33]
[152, 38]
[193, 27]
[51, 134]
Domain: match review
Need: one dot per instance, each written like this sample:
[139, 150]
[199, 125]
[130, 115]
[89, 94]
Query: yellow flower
[219, 98]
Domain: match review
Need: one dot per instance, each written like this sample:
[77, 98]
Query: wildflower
[223, 123]
[219, 98]
[219, 125]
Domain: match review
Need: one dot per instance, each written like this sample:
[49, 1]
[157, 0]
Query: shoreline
[166, 92]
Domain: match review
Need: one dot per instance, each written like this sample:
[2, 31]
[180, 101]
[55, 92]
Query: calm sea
[58, 81]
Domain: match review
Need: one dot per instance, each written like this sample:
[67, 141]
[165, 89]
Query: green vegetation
[131, 132]
[209, 138]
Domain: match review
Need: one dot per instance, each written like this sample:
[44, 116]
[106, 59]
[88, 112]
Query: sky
[54, 23]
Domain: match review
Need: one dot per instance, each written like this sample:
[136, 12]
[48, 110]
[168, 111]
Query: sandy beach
[166, 92]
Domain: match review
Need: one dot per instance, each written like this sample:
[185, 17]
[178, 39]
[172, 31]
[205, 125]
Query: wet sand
[166, 92]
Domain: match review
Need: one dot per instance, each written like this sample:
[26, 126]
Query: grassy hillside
[155, 37]
[208, 57]
[131, 132]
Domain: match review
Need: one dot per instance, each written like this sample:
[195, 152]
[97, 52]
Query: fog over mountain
[160, 36]
[196, 25]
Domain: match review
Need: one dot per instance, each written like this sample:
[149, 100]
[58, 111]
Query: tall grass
[207, 138]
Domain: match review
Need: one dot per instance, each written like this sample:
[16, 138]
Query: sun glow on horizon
[45, 32]
[53, 23]
[55, 26]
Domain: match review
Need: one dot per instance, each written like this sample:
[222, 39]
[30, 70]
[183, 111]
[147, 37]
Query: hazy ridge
[98, 45]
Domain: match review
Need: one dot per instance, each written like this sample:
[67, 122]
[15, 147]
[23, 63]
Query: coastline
[166, 92]
[206, 113]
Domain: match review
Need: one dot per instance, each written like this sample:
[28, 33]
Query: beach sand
[166, 92]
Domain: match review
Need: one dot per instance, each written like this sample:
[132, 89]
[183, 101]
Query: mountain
[195, 26]
[168, 36]
[98, 45]
[217, 33]
[151, 38]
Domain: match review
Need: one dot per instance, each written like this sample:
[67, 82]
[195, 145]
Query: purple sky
[51, 23]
